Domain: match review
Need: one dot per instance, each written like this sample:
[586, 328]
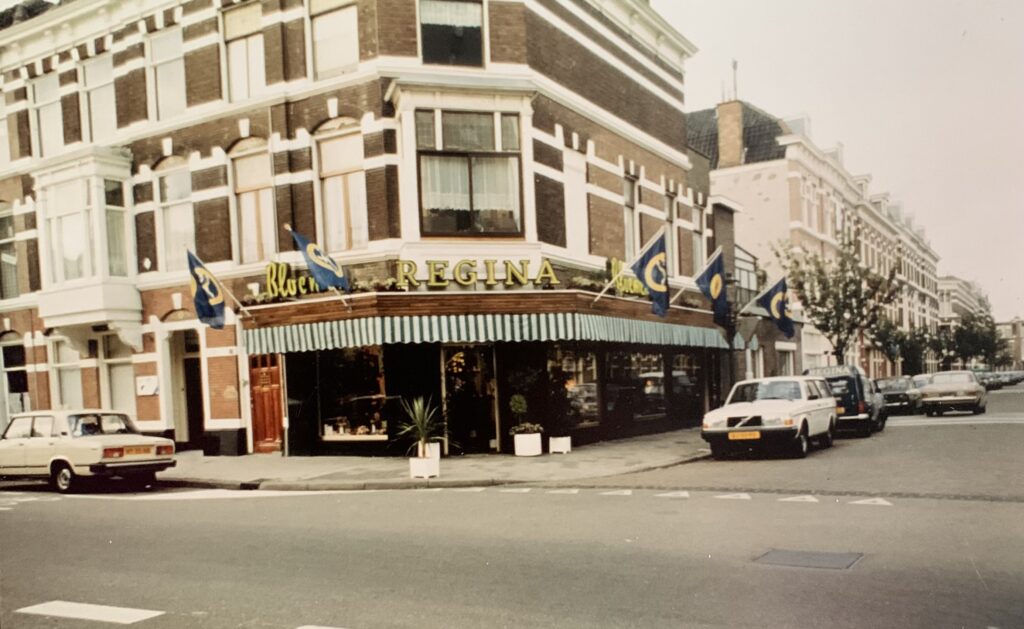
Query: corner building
[478, 167]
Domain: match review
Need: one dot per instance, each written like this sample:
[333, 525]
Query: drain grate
[809, 559]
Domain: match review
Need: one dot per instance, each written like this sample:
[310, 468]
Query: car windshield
[773, 390]
[892, 384]
[951, 378]
[101, 424]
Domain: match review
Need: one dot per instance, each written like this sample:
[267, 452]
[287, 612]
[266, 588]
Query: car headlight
[777, 421]
[713, 422]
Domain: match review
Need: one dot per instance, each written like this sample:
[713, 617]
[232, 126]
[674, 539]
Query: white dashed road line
[674, 494]
[799, 499]
[86, 611]
[881, 502]
[618, 492]
[734, 497]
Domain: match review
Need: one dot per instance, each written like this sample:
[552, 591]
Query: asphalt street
[921, 525]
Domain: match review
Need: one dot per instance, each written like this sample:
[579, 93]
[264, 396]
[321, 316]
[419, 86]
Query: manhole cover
[809, 559]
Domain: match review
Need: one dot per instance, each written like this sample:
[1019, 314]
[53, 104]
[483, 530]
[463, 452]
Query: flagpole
[639, 255]
[337, 292]
[704, 268]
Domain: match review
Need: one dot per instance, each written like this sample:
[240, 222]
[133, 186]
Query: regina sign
[440, 273]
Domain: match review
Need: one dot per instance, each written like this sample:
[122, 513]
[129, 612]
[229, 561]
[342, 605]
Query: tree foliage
[977, 338]
[888, 338]
[840, 295]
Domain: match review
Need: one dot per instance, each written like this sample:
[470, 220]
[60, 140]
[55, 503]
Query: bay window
[8, 254]
[98, 75]
[451, 32]
[177, 225]
[244, 36]
[469, 169]
[166, 57]
[254, 196]
[343, 192]
[334, 25]
[69, 215]
[48, 118]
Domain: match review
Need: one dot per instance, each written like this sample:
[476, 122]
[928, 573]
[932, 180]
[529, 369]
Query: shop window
[117, 361]
[15, 379]
[166, 58]
[175, 213]
[451, 32]
[469, 173]
[117, 228]
[68, 374]
[635, 386]
[579, 371]
[98, 76]
[687, 390]
[244, 36]
[355, 407]
[343, 192]
[254, 195]
[48, 118]
[334, 25]
[8, 254]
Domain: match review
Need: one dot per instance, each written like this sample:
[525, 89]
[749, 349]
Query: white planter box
[559, 445]
[428, 467]
[434, 450]
[528, 445]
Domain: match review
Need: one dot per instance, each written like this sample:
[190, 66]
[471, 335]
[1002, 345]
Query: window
[469, 173]
[629, 215]
[343, 192]
[117, 360]
[69, 219]
[452, 32]
[20, 428]
[8, 254]
[335, 34]
[42, 427]
[635, 386]
[117, 237]
[49, 121]
[698, 239]
[5, 146]
[166, 59]
[174, 192]
[68, 375]
[254, 194]
[244, 37]
[578, 370]
[786, 363]
[98, 75]
[15, 380]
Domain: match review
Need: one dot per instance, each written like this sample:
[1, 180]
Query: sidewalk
[273, 471]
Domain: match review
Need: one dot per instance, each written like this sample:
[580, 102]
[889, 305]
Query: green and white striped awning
[482, 328]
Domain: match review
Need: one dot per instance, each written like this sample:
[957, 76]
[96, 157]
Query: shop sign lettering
[626, 285]
[280, 282]
[441, 273]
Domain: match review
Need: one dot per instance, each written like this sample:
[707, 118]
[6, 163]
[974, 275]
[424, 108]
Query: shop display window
[579, 371]
[635, 386]
[686, 398]
[353, 403]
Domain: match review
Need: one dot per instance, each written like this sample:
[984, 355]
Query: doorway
[469, 397]
[267, 405]
[186, 390]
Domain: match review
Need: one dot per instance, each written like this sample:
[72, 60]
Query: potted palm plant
[525, 435]
[559, 410]
[424, 426]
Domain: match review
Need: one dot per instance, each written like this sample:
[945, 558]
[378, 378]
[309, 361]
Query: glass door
[469, 398]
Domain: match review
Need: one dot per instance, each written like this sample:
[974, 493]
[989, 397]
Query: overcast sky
[926, 95]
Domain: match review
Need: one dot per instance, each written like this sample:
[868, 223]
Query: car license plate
[744, 435]
[138, 450]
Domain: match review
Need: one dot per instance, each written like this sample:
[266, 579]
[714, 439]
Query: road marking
[516, 490]
[468, 490]
[318, 627]
[86, 611]
[564, 491]
[618, 492]
[675, 494]
[799, 499]
[881, 502]
[734, 497]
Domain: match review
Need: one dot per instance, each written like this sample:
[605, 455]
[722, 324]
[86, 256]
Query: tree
[913, 350]
[840, 295]
[889, 339]
[977, 338]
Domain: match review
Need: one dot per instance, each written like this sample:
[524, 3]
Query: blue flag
[650, 270]
[207, 294]
[322, 267]
[775, 302]
[712, 283]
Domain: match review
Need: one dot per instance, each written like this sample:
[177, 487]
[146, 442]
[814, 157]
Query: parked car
[954, 391]
[989, 380]
[900, 394]
[920, 380]
[782, 411]
[859, 404]
[68, 445]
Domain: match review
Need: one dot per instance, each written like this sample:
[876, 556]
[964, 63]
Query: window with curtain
[173, 195]
[8, 254]
[470, 181]
[117, 360]
[343, 192]
[244, 36]
[254, 196]
[117, 237]
[69, 218]
[69, 375]
[48, 117]
[451, 32]
[98, 75]
[168, 65]
[334, 26]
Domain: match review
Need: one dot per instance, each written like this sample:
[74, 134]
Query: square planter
[427, 467]
[434, 450]
[528, 444]
[559, 445]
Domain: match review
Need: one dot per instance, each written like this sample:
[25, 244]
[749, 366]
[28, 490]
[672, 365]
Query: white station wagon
[787, 412]
[67, 444]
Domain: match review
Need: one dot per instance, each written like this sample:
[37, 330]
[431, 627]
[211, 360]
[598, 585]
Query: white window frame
[90, 115]
[352, 240]
[55, 212]
[6, 211]
[5, 143]
[321, 9]
[250, 37]
[5, 409]
[106, 381]
[630, 217]
[153, 73]
[38, 106]
[163, 206]
[126, 233]
[57, 368]
[236, 208]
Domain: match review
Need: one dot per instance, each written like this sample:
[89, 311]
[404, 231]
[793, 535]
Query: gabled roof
[760, 130]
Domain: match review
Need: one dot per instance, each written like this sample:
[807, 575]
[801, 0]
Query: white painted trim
[785, 346]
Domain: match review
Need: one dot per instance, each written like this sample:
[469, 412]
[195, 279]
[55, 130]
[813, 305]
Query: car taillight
[862, 407]
[113, 453]
[165, 449]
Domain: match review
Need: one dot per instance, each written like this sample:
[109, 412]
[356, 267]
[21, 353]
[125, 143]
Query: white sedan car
[786, 412]
[68, 444]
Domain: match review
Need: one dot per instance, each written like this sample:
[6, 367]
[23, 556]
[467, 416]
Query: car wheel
[828, 439]
[62, 477]
[801, 446]
[881, 422]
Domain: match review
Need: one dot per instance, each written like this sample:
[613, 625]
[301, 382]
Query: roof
[760, 130]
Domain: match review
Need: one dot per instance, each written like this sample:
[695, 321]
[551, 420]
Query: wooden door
[267, 414]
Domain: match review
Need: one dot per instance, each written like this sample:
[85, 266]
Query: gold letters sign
[441, 273]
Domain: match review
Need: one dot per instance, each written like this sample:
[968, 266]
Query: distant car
[921, 380]
[68, 445]
[954, 391]
[859, 404]
[989, 380]
[784, 411]
[900, 394]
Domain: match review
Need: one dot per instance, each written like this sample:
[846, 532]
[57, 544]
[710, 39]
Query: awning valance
[479, 328]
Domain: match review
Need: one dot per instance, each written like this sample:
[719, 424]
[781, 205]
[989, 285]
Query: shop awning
[481, 328]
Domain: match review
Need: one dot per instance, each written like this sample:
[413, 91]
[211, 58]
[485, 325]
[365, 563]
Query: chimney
[730, 134]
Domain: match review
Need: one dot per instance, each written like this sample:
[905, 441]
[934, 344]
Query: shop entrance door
[267, 412]
[469, 398]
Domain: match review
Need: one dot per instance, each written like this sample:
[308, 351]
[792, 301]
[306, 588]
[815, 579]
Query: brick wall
[72, 116]
[382, 203]
[609, 240]
[130, 97]
[507, 30]
[397, 28]
[202, 75]
[91, 387]
[550, 204]
[147, 407]
[222, 384]
[730, 134]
